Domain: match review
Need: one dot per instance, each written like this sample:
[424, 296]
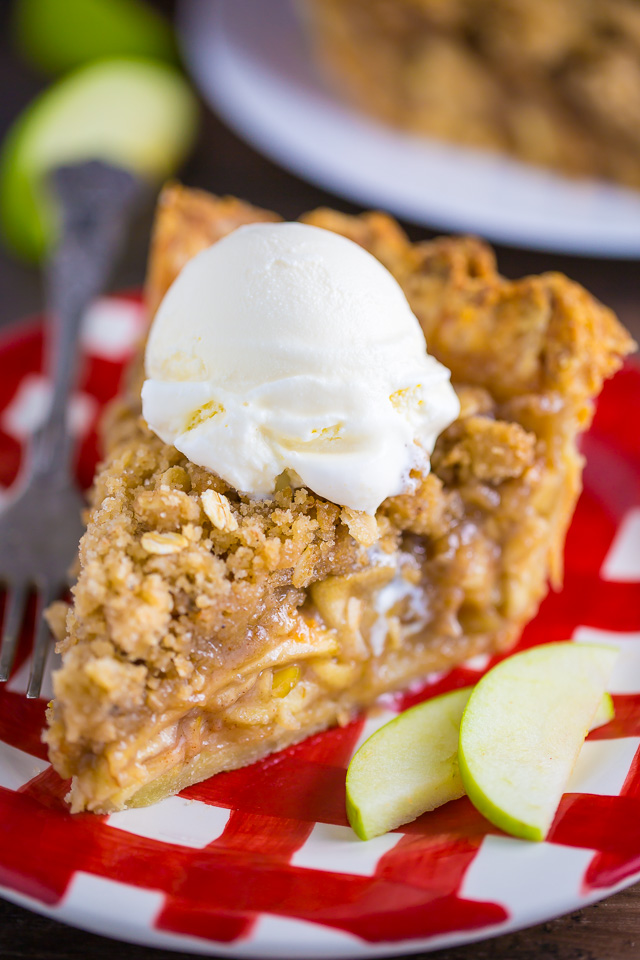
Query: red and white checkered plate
[261, 862]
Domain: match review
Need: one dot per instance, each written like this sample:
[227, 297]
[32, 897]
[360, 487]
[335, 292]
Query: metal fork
[41, 525]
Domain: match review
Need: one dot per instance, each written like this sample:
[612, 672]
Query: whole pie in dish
[209, 629]
[553, 82]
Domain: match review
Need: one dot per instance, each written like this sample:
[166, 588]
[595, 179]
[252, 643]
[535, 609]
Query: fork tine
[42, 641]
[14, 611]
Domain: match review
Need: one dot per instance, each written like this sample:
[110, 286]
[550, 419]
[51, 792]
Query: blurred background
[337, 140]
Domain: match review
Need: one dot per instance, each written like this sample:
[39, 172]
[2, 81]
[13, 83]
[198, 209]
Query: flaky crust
[192, 598]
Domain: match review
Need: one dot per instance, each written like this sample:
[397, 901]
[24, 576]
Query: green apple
[605, 713]
[140, 114]
[407, 767]
[523, 728]
[59, 35]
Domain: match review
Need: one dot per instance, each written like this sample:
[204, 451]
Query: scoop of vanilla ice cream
[286, 347]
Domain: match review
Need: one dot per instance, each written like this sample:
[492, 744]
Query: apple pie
[553, 82]
[209, 628]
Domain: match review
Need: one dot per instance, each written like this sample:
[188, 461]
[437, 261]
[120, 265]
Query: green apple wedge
[139, 114]
[522, 730]
[59, 35]
[407, 767]
[605, 713]
[410, 766]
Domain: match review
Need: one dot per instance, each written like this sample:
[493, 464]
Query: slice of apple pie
[210, 628]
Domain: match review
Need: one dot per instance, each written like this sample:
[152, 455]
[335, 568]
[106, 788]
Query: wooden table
[606, 931]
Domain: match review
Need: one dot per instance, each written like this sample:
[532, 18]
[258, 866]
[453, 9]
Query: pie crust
[208, 629]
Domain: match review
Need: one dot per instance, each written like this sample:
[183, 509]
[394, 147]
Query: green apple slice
[523, 728]
[60, 35]
[139, 114]
[407, 767]
[605, 713]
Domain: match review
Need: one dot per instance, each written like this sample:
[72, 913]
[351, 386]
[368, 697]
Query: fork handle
[94, 199]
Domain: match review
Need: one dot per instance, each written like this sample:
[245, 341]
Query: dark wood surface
[609, 930]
